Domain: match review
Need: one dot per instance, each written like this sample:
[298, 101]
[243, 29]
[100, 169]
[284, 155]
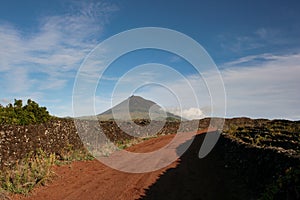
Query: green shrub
[18, 114]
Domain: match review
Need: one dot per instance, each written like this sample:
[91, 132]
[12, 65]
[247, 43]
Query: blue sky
[255, 45]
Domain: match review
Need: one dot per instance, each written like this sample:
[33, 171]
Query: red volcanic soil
[187, 178]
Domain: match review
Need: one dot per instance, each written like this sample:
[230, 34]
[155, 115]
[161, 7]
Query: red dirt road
[94, 180]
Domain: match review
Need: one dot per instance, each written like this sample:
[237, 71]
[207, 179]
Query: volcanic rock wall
[60, 134]
[17, 141]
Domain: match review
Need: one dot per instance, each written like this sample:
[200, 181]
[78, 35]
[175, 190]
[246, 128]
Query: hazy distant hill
[139, 108]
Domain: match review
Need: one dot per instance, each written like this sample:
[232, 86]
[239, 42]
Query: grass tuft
[71, 154]
[33, 170]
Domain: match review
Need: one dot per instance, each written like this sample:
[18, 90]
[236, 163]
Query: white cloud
[59, 46]
[54, 51]
[190, 113]
[269, 89]
[263, 85]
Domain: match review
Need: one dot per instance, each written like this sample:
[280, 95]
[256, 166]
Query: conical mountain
[136, 107]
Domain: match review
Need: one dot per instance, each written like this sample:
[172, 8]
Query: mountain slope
[139, 108]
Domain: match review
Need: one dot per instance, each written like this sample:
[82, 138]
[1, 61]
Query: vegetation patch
[36, 169]
[18, 114]
[33, 170]
[70, 154]
[130, 142]
[282, 135]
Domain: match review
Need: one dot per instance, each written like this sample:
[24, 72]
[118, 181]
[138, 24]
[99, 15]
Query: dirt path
[93, 180]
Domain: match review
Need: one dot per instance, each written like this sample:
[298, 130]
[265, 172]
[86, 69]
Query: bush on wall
[16, 113]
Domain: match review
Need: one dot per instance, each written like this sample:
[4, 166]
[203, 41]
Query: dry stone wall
[60, 134]
[52, 137]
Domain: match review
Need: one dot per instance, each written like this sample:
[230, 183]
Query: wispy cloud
[263, 85]
[268, 89]
[54, 51]
[259, 39]
[251, 60]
